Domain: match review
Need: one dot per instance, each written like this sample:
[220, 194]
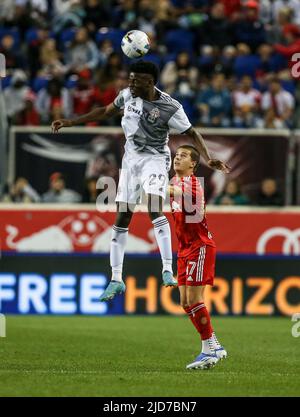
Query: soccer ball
[135, 44]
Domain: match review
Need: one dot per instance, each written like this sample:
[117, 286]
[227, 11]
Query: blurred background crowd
[227, 61]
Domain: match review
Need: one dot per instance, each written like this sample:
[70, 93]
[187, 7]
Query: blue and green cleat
[168, 279]
[114, 288]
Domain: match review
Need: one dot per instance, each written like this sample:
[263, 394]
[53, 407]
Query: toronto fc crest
[153, 115]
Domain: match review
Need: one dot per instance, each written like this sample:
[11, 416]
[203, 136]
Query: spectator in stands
[96, 16]
[62, 6]
[53, 100]
[292, 5]
[227, 60]
[125, 15]
[232, 8]
[164, 17]
[232, 195]
[248, 29]
[84, 96]
[13, 56]
[278, 106]
[214, 104]
[179, 71]
[121, 81]
[7, 11]
[50, 59]
[106, 48]
[146, 14]
[217, 29]
[246, 63]
[108, 73]
[29, 116]
[275, 30]
[15, 96]
[291, 35]
[269, 194]
[90, 192]
[58, 193]
[34, 51]
[83, 53]
[268, 61]
[246, 104]
[22, 192]
[73, 15]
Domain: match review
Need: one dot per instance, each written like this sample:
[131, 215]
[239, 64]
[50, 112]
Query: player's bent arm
[99, 113]
[202, 149]
[199, 143]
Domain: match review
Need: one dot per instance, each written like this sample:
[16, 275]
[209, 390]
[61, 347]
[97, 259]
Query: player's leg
[202, 321]
[125, 200]
[199, 273]
[117, 250]
[163, 237]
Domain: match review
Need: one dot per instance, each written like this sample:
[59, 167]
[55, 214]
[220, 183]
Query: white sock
[208, 347]
[117, 249]
[215, 341]
[163, 237]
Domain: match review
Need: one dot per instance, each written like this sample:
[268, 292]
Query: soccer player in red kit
[196, 252]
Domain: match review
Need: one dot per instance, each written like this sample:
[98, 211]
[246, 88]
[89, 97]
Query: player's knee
[155, 215]
[123, 219]
[193, 299]
[184, 304]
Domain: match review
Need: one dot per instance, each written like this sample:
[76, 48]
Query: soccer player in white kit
[148, 114]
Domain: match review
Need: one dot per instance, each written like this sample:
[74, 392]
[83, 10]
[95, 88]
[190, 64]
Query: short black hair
[195, 154]
[145, 67]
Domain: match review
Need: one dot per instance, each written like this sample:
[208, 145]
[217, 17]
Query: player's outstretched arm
[202, 148]
[100, 113]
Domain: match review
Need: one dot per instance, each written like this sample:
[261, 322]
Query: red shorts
[197, 268]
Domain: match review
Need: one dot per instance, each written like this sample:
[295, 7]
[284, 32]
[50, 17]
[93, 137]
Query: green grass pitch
[145, 356]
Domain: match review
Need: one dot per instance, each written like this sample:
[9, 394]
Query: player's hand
[216, 164]
[59, 123]
[174, 190]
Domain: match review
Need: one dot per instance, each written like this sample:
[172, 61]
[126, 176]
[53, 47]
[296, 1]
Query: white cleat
[221, 353]
[203, 361]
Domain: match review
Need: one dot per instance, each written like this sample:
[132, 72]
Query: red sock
[200, 318]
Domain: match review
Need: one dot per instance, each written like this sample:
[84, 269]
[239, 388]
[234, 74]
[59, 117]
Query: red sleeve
[287, 50]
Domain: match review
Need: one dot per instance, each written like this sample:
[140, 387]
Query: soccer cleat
[114, 288]
[203, 361]
[221, 353]
[168, 279]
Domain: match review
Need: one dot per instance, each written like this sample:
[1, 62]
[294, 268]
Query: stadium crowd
[227, 61]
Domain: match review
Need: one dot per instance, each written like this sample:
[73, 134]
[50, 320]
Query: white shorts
[143, 172]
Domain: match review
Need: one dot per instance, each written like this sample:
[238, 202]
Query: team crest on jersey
[153, 115]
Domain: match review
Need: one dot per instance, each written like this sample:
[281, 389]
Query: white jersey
[146, 124]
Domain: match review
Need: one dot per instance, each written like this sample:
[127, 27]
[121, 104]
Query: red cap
[252, 4]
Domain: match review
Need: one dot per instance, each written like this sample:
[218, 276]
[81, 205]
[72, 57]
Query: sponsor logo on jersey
[130, 108]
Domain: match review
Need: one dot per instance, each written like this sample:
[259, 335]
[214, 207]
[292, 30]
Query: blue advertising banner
[72, 284]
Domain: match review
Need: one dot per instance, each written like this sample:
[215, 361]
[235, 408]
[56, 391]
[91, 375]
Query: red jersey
[188, 209]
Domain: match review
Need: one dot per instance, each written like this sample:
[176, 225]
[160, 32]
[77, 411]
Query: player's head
[186, 160]
[143, 76]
